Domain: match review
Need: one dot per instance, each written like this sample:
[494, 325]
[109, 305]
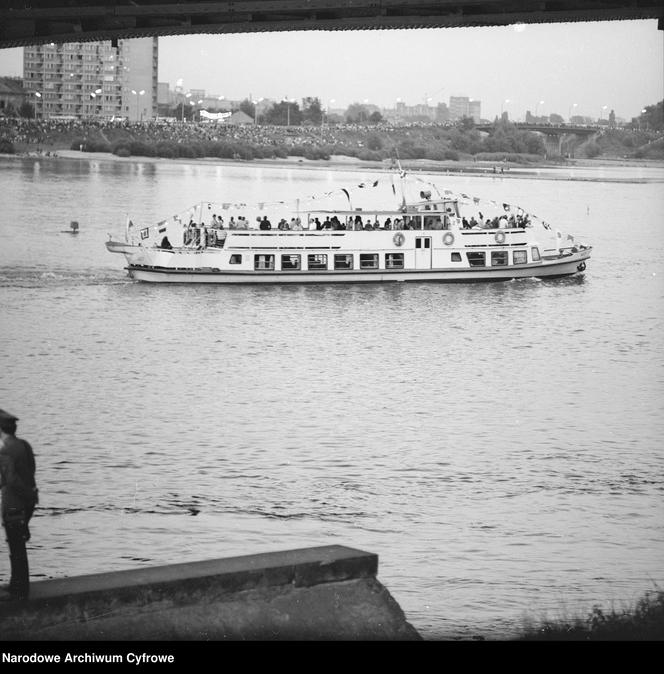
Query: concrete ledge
[327, 592]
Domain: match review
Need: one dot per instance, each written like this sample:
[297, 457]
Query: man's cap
[6, 416]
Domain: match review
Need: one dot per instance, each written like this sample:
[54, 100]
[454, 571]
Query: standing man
[19, 498]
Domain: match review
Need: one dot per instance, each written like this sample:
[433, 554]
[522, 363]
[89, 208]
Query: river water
[499, 446]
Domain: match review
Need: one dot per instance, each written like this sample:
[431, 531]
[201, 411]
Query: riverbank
[344, 163]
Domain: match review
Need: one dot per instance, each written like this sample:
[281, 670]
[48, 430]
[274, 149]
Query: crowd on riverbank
[376, 142]
[40, 131]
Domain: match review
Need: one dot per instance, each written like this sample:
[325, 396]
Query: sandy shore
[343, 163]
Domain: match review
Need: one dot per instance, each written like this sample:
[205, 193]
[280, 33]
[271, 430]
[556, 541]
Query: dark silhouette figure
[19, 498]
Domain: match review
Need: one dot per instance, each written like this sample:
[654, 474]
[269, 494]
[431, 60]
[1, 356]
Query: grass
[643, 622]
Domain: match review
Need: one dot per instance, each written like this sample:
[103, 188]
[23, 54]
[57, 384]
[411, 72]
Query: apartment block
[462, 106]
[102, 80]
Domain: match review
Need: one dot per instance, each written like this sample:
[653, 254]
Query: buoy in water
[73, 228]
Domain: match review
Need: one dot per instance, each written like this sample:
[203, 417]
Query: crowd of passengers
[202, 235]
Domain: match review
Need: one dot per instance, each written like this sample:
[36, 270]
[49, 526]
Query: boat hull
[567, 266]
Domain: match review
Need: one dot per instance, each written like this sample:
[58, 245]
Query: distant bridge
[559, 139]
[550, 129]
[24, 22]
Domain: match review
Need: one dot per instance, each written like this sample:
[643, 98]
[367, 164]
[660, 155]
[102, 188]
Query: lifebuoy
[399, 238]
[448, 239]
[500, 237]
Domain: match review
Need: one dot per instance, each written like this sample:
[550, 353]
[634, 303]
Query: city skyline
[584, 69]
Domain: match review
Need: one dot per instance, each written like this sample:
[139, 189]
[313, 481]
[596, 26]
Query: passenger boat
[438, 236]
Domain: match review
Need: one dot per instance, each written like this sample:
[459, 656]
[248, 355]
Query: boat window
[418, 243]
[235, 259]
[456, 257]
[318, 261]
[499, 258]
[422, 242]
[520, 257]
[263, 262]
[476, 259]
[368, 260]
[534, 251]
[343, 261]
[290, 262]
[393, 260]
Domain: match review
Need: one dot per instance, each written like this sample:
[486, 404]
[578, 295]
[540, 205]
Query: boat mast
[402, 175]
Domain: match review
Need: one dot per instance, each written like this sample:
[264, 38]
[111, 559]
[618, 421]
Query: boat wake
[25, 277]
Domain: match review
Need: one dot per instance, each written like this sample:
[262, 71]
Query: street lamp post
[256, 110]
[569, 112]
[327, 110]
[93, 96]
[186, 96]
[37, 95]
[138, 93]
[288, 102]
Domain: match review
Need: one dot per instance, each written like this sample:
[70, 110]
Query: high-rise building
[475, 110]
[93, 79]
[462, 106]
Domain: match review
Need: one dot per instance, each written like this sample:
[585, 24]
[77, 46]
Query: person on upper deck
[265, 223]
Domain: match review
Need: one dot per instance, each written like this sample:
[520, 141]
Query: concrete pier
[322, 593]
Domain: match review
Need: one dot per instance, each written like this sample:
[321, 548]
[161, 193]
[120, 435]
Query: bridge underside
[23, 22]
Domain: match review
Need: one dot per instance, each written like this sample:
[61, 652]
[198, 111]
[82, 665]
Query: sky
[547, 68]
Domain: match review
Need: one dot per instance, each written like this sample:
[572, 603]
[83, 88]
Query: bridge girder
[24, 22]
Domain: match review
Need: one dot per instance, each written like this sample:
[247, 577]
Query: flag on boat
[129, 226]
[506, 207]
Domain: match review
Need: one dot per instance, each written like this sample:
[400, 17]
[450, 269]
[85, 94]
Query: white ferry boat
[446, 237]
